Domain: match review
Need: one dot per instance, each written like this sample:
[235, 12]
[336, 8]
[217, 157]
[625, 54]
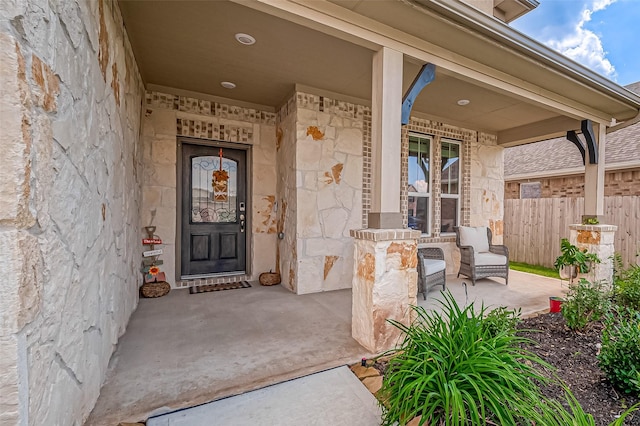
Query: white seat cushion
[431, 266]
[475, 237]
[488, 259]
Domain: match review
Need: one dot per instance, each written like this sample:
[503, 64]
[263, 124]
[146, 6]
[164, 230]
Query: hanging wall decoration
[220, 183]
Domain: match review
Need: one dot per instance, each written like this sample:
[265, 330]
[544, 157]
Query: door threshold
[217, 275]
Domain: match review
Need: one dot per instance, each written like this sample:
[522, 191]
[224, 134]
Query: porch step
[333, 398]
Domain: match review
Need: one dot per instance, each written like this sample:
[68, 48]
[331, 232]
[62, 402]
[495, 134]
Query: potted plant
[572, 260]
[590, 220]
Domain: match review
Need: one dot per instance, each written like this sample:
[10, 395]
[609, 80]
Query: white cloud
[583, 45]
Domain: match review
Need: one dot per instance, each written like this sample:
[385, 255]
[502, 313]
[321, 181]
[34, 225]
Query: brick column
[384, 284]
[596, 239]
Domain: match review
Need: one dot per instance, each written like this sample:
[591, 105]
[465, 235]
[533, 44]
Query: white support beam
[594, 176]
[386, 112]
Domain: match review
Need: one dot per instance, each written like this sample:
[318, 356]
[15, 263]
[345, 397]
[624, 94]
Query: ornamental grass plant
[459, 368]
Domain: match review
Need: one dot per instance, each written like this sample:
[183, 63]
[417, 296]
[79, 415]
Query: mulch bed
[574, 356]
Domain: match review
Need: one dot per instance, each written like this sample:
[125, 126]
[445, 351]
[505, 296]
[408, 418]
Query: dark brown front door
[213, 214]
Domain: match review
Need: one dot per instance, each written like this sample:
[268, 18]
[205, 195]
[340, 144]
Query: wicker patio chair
[478, 257]
[432, 270]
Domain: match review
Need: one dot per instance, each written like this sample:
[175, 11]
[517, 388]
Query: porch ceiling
[190, 45]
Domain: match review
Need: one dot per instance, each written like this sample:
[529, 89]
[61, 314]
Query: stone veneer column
[596, 239]
[384, 284]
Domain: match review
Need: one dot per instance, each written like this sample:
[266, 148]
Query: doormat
[217, 287]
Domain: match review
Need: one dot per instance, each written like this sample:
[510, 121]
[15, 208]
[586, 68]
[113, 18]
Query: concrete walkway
[183, 350]
[527, 292]
[329, 398]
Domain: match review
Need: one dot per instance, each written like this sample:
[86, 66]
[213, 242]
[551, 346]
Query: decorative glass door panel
[213, 239]
[214, 200]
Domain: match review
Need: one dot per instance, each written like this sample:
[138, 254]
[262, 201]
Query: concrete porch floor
[182, 350]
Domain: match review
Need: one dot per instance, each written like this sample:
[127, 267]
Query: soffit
[190, 45]
[622, 147]
[419, 18]
[556, 155]
[513, 9]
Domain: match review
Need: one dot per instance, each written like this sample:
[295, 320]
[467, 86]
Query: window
[449, 186]
[530, 190]
[419, 183]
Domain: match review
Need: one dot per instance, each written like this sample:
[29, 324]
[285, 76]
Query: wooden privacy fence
[533, 227]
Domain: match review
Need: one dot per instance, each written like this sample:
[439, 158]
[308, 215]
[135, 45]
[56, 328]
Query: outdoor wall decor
[220, 183]
[155, 284]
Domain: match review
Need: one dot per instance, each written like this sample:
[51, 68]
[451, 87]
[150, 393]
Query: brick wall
[623, 182]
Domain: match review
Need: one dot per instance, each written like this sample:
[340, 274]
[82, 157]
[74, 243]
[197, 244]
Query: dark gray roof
[622, 146]
[634, 87]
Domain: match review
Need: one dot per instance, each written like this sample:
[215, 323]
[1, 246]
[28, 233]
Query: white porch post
[386, 106]
[385, 257]
[594, 177]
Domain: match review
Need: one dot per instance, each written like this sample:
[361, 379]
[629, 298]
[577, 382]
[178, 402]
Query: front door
[213, 210]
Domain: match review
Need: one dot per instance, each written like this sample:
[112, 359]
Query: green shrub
[458, 368]
[501, 320]
[571, 255]
[626, 284]
[585, 302]
[619, 356]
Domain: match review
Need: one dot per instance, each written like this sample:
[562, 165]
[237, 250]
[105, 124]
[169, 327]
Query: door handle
[241, 223]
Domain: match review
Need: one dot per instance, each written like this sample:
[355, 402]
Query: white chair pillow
[488, 259]
[431, 266]
[475, 237]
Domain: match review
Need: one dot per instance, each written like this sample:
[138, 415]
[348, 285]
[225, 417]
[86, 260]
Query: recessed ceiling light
[463, 102]
[228, 85]
[245, 39]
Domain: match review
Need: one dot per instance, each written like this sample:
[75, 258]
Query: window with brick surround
[449, 185]
[419, 183]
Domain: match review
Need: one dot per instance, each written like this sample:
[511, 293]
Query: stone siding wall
[327, 149]
[286, 190]
[168, 117]
[618, 182]
[70, 108]
[487, 185]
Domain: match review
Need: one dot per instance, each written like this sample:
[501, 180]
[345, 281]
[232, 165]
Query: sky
[603, 35]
